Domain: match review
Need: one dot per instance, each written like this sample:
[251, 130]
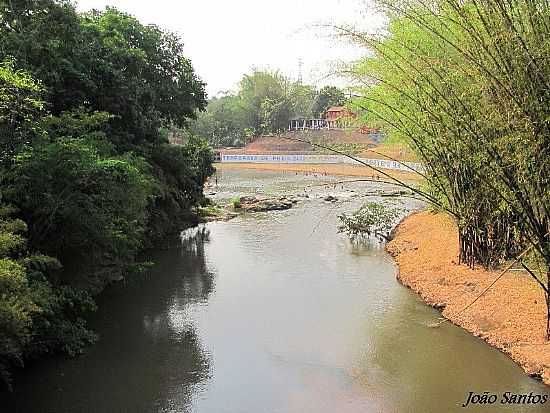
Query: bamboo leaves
[466, 84]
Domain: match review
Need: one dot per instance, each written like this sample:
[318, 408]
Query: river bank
[510, 316]
[321, 169]
[319, 323]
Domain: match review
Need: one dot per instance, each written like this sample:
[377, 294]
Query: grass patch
[236, 202]
[210, 211]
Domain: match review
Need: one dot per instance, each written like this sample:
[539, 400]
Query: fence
[319, 159]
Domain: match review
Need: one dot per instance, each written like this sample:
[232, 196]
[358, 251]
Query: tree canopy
[466, 85]
[328, 96]
[88, 177]
[265, 103]
[105, 61]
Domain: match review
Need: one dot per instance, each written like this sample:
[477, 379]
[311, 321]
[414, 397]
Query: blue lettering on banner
[293, 158]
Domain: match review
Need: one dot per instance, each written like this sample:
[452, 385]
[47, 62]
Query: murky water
[271, 312]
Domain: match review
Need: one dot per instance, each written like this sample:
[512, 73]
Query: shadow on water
[149, 357]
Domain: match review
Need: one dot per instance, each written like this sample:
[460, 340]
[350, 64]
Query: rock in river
[257, 204]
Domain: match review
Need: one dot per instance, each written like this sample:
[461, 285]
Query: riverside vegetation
[88, 178]
[466, 84]
[264, 104]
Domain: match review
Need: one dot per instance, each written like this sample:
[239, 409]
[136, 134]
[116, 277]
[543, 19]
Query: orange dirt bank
[510, 316]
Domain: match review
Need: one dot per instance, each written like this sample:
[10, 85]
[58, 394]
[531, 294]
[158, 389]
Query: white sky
[227, 38]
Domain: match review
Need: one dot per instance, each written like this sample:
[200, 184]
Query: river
[271, 312]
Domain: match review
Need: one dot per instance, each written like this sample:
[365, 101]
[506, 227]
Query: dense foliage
[466, 84]
[88, 179]
[373, 219]
[37, 314]
[264, 104]
[328, 96]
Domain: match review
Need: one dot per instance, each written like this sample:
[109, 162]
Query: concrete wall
[318, 159]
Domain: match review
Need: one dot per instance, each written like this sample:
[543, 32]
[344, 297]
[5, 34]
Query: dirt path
[511, 316]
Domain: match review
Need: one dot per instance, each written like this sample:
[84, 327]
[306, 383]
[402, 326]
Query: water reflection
[200, 283]
[433, 367]
[262, 314]
[149, 357]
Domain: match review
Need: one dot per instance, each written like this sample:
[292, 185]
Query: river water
[271, 312]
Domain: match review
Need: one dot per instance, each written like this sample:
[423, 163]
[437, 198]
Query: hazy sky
[226, 38]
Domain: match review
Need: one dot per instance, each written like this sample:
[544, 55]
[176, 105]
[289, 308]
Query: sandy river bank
[328, 169]
[510, 317]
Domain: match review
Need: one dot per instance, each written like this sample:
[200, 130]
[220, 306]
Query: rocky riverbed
[264, 204]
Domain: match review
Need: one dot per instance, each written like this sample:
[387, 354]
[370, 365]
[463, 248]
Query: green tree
[303, 99]
[20, 105]
[265, 103]
[141, 76]
[36, 317]
[465, 84]
[183, 170]
[266, 95]
[328, 96]
[91, 177]
[16, 302]
[104, 61]
[372, 219]
[224, 123]
[59, 183]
